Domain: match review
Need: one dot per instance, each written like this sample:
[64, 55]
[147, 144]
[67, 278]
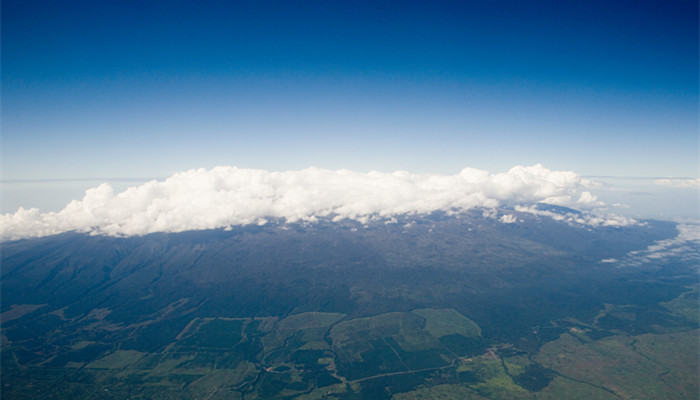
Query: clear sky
[123, 89]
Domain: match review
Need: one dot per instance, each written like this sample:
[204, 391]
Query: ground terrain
[428, 307]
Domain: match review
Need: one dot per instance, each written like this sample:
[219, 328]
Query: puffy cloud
[226, 196]
[588, 199]
[508, 219]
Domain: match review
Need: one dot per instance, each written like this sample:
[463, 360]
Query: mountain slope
[70, 300]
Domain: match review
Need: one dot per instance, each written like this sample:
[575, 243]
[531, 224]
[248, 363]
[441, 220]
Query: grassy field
[312, 325]
[443, 322]
[686, 305]
[422, 354]
[650, 366]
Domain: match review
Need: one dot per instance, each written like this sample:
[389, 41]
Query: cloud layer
[680, 183]
[226, 196]
[579, 218]
[684, 247]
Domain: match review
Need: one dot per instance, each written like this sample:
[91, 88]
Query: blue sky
[120, 89]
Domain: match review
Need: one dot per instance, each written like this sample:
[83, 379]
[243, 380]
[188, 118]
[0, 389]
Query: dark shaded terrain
[217, 301]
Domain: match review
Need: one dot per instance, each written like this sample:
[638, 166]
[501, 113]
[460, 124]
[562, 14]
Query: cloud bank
[679, 183]
[579, 218]
[228, 196]
[684, 247]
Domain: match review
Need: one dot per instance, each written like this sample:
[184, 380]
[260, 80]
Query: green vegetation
[18, 311]
[388, 356]
[443, 322]
[120, 359]
[436, 308]
[648, 366]
[687, 305]
[312, 325]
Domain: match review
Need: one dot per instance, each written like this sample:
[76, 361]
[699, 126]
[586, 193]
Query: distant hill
[283, 310]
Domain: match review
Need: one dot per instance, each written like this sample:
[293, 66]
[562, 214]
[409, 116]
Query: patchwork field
[422, 354]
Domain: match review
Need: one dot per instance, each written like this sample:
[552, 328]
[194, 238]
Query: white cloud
[508, 219]
[587, 199]
[685, 246]
[620, 205]
[580, 218]
[226, 196]
[681, 183]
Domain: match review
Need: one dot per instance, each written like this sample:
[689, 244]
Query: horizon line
[145, 179]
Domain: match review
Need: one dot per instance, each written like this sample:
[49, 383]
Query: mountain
[480, 304]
